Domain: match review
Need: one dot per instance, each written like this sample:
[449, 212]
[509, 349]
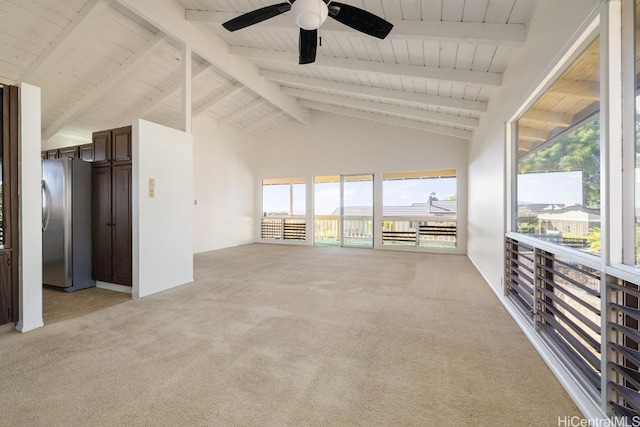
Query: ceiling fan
[309, 15]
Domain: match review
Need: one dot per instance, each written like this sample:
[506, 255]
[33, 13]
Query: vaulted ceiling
[101, 63]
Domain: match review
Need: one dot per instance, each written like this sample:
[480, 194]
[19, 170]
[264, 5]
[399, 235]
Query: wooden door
[121, 211]
[6, 306]
[121, 145]
[9, 205]
[102, 147]
[101, 224]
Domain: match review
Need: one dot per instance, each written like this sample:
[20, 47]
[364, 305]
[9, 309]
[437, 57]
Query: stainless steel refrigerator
[66, 224]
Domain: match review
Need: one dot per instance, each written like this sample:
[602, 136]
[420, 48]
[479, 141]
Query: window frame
[588, 34]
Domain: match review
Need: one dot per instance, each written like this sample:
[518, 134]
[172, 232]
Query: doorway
[343, 210]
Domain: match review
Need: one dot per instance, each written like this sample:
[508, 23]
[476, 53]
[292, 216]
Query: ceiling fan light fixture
[310, 14]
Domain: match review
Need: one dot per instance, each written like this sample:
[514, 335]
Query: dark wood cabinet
[73, 152]
[121, 224]
[121, 145]
[102, 247]
[111, 206]
[112, 147]
[85, 152]
[102, 147]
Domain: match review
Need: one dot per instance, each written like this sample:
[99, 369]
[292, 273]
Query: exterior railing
[561, 295]
[420, 232]
[279, 228]
[561, 292]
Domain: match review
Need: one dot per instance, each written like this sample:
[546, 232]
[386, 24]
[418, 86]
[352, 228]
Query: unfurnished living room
[369, 212]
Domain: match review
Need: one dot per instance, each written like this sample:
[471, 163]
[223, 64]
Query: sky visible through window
[401, 192]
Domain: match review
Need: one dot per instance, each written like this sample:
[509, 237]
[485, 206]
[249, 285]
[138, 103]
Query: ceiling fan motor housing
[310, 14]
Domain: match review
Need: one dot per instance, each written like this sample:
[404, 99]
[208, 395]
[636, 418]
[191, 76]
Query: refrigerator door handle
[46, 205]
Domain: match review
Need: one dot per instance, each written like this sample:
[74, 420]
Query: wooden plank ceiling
[101, 63]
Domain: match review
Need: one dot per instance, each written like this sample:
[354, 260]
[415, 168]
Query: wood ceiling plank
[440, 74]
[378, 107]
[103, 87]
[68, 36]
[453, 30]
[169, 18]
[241, 112]
[396, 121]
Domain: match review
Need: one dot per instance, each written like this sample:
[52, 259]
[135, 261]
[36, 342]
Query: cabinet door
[121, 211]
[69, 152]
[86, 152]
[121, 148]
[53, 154]
[101, 226]
[102, 147]
[5, 288]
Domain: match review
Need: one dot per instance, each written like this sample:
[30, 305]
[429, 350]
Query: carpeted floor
[274, 335]
[58, 305]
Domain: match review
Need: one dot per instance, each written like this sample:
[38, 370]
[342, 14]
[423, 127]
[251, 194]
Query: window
[558, 159]
[420, 209]
[283, 209]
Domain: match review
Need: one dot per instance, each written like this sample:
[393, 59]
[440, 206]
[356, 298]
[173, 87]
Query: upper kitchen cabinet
[72, 152]
[112, 147]
[86, 152]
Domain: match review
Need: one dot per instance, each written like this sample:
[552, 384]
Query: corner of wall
[30, 270]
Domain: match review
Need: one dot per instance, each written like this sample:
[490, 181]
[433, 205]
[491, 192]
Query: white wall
[162, 224]
[224, 162]
[334, 145]
[30, 210]
[551, 27]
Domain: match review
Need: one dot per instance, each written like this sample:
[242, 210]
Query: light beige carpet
[289, 336]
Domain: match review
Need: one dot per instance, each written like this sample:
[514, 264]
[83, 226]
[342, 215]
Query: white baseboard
[113, 287]
[21, 327]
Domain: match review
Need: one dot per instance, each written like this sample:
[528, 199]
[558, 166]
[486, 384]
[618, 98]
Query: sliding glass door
[343, 212]
[357, 211]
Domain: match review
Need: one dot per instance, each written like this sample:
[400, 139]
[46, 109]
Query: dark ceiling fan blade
[360, 19]
[308, 45]
[256, 16]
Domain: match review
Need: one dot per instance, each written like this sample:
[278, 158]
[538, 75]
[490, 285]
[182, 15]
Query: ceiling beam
[532, 134]
[263, 121]
[512, 35]
[142, 111]
[388, 94]
[103, 87]
[242, 112]
[168, 16]
[228, 93]
[578, 89]
[546, 116]
[479, 78]
[396, 121]
[61, 44]
[411, 113]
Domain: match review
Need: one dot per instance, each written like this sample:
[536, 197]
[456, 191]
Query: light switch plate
[152, 188]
